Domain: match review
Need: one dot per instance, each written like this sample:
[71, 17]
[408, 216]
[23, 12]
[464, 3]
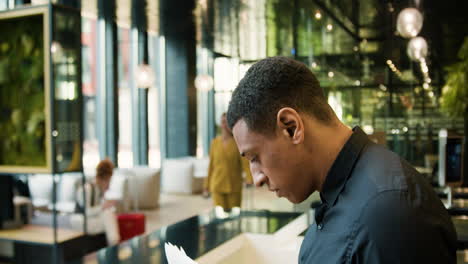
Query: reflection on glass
[125, 252]
[66, 61]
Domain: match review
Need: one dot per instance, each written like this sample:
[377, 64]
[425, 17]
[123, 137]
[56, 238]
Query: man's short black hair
[274, 83]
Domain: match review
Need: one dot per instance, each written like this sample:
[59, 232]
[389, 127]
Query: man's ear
[290, 124]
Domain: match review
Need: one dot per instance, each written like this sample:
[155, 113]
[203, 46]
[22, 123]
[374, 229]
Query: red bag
[131, 225]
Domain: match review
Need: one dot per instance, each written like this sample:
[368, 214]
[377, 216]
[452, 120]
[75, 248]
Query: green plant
[454, 100]
[22, 104]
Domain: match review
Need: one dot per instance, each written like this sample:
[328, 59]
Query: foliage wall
[22, 112]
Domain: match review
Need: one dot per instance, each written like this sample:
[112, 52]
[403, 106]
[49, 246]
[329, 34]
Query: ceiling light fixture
[409, 22]
[318, 15]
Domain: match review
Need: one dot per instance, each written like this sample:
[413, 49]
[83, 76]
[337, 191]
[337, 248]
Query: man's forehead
[240, 125]
[241, 131]
[246, 139]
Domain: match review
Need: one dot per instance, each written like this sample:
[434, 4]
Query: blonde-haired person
[96, 189]
[225, 172]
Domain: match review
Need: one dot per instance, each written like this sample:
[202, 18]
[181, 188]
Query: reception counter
[200, 234]
[197, 235]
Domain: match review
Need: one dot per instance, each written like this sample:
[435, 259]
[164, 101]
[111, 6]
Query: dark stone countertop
[197, 235]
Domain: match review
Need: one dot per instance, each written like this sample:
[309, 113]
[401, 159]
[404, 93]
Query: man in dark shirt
[375, 207]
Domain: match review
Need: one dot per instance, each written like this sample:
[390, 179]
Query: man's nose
[259, 179]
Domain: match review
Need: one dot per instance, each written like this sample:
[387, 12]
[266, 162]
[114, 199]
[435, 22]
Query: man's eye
[254, 159]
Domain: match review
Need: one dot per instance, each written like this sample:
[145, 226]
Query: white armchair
[136, 188]
[146, 187]
[41, 189]
[184, 175]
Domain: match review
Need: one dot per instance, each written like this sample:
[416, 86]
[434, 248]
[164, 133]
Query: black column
[178, 28]
[139, 94]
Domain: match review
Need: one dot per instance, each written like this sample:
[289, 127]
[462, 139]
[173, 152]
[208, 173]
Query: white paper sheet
[175, 255]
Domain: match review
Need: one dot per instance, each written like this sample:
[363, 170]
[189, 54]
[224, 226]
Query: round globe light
[144, 76]
[417, 48]
[204, 82]
[409, 22]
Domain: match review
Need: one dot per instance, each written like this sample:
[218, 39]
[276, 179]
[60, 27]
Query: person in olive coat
[226, 170]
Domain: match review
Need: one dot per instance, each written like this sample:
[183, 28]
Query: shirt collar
[343, 166]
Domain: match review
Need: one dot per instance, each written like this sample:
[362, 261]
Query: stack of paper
[175, 255]
[281, 247]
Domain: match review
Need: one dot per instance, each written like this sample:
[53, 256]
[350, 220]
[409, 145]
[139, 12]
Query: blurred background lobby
[144, 83]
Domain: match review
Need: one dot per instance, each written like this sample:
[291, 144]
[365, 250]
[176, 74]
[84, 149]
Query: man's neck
[331, 145]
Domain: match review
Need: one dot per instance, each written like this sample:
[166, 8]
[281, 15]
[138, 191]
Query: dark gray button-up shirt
[377, 209]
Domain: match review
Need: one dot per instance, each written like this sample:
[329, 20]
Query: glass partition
[66, 72]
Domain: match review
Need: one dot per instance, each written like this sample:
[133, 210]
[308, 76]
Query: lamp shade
[144, 76]
[417, 48]
[409, 22]
[204, 82]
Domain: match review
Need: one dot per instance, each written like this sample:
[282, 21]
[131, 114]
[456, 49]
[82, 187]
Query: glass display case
[41, 123]
[24, 89]
[40, 102]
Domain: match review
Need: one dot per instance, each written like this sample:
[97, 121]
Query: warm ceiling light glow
[144, 76]
[417, 48]
[55, 47]
[409, 22]
[204, 82]
[318, 15]
[331, 74]
[329, 27]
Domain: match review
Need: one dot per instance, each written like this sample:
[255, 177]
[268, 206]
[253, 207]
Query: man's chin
[296, 200]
